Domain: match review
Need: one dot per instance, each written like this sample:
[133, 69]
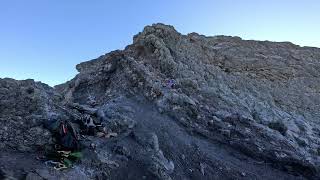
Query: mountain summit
[171, 106]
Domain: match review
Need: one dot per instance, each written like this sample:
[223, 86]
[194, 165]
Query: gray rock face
[183, 107]
[24, 105]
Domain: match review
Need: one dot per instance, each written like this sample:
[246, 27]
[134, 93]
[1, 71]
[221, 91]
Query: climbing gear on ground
[56, 165]
[63, 159]
[67, 154]
[109, 135]
[66, 150]
[64, 153]
[60, 166]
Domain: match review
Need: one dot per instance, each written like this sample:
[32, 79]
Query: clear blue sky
[45, 39]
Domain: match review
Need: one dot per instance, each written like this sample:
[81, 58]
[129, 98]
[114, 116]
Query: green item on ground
[67, 163]
[77, 155]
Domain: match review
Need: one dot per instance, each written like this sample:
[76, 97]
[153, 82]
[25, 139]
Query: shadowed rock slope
[183, 106]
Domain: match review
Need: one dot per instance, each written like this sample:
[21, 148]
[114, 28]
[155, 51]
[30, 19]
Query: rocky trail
[171, 106]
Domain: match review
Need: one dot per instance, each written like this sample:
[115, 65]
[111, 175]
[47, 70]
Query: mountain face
[179, 107]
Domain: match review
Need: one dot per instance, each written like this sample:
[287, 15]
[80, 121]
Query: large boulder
[24, 106]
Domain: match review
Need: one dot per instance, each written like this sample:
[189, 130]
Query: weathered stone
[230, 105]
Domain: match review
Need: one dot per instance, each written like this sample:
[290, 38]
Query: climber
[170, 83]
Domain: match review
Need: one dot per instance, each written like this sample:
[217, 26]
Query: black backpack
[66, 135]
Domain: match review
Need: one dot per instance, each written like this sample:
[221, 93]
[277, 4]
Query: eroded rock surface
[181, 106]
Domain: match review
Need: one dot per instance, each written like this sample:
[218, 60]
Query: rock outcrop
[181, 106]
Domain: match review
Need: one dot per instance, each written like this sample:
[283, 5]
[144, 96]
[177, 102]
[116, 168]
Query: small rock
[183, 156]
[210, 123]
[109, 135]
[33, 176]
[225, 132]
[93, 146]
[100, 134]
[155, 142]
[202, 166]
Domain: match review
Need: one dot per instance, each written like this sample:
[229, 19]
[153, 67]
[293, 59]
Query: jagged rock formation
[183, 106]
[24, 105]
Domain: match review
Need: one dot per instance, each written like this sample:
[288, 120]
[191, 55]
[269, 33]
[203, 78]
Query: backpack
[65, 133]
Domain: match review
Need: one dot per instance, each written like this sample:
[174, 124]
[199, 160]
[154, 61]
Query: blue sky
[45, 39]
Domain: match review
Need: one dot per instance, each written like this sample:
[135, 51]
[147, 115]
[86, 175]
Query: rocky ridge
[183, 106]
